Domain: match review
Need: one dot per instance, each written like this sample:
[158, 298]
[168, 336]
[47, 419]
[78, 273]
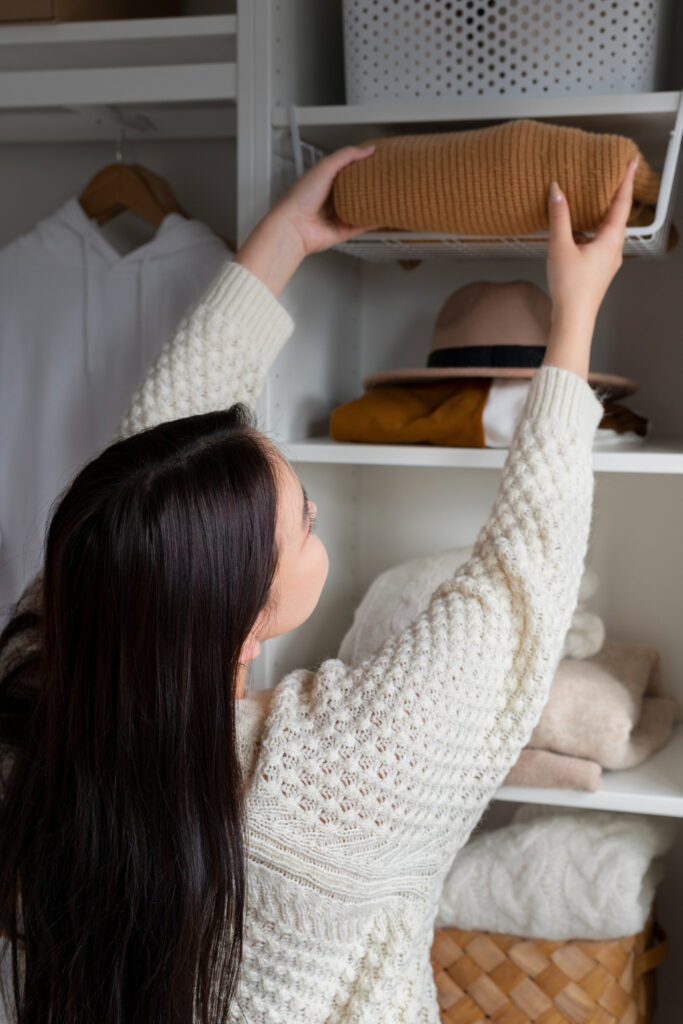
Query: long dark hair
[122, 820]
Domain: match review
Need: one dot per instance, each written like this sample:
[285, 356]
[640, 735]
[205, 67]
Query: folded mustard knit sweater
[364, 783]
[491, 181]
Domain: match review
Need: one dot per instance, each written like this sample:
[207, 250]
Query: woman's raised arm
[224, 347]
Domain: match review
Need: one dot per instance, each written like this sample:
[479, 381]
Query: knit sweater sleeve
[389, 765]
[220, 353]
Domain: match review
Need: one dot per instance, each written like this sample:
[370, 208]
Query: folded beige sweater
[554, 771]
[609, 710]
[611, 707]
[491, 181]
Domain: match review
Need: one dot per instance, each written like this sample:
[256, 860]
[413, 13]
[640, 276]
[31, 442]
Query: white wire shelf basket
[380, 246]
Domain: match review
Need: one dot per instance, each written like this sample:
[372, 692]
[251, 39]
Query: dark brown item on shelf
[86, 10]
[486, 976]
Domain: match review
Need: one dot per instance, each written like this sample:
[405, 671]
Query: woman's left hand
[301, 222]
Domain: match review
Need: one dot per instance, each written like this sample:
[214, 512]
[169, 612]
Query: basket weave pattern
[482, 977]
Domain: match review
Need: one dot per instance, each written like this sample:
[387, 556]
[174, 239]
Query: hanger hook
[120, 142]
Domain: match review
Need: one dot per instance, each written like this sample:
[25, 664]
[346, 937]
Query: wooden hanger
[120, 187]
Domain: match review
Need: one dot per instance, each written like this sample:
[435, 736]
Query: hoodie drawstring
[91, 313]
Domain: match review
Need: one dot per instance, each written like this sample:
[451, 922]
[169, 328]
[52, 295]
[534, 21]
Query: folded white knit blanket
[558, 873]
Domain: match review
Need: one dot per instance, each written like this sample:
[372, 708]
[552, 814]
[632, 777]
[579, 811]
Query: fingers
[325, 170]
[312, 189]
[353, 232]
[614, 222]
[560, 221]
[346, 155]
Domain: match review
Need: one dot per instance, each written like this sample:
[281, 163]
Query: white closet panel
[227, 162]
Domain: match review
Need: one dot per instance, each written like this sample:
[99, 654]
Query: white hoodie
[79, 325]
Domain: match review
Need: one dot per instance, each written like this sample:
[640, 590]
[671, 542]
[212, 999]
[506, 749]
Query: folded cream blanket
[611, 707]
[558, 873]
[400, 594]
[491, 181]
[609, 710]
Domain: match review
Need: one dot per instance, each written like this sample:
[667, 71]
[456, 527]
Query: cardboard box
[85, 10]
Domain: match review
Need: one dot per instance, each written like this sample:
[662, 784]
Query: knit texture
[558, 873]
[491, 181]
[367, 781]
[398, 595]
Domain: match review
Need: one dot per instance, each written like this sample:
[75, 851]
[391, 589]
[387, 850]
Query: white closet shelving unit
[206, 100]
[354, 316]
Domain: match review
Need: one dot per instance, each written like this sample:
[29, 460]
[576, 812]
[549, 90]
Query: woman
[182, 853]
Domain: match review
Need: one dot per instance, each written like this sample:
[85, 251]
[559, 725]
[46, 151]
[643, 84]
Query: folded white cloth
[558, 873]
[400, 594]
[503, 411]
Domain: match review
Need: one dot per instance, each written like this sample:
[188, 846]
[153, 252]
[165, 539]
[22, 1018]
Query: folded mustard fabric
[443, 413]
[449, 413]
[491, 181]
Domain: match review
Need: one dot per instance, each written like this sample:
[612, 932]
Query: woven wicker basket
[484, 976]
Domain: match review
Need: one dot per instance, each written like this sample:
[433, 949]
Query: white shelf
[169, 77]
[204, 28]
[633, 108]
[173, 83]
[654, 787]
[653, 120]
[652, 456]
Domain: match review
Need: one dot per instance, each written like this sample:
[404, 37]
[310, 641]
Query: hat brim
[618, 387]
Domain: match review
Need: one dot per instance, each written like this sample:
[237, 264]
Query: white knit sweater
[364, 783]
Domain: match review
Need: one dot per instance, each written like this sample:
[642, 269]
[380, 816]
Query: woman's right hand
[579, 271]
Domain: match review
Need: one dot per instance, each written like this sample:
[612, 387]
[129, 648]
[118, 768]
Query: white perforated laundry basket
[445, 49]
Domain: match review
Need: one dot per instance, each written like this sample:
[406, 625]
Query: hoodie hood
[75, 240]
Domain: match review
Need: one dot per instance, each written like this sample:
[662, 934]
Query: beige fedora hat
[492, 329]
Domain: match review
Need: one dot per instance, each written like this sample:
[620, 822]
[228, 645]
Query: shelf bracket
[300, 149]
[296, 141]
[664, 205]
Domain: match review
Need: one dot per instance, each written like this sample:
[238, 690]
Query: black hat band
[522, 356]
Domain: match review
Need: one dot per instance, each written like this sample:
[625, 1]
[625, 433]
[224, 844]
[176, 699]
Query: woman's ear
[251, 648]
